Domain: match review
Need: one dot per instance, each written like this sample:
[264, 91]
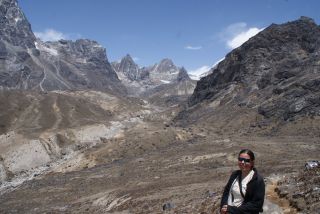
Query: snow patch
[46, 49]
[17, 19]
[97, 46]
[165, 81]
[204, 71]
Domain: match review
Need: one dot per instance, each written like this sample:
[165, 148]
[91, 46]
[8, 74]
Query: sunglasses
[245, 160]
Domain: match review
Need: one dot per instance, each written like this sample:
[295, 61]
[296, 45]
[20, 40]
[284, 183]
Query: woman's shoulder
[258, 176]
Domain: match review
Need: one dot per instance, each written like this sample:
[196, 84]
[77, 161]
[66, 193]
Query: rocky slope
[273, 78]
[40, 129]
[81, 64]
[302, 190]
[27, 63]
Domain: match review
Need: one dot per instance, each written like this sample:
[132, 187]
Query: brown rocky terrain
[140, 163]
[302, 190]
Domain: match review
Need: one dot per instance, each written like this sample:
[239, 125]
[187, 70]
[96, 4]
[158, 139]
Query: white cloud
[50, 35]
[189, 47]
[196, 74]
[238, 33]
[203, 71]
[241, 38]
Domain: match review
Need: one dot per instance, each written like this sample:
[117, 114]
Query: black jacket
[253, 199]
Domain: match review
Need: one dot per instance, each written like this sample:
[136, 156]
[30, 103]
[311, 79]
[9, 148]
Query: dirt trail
[273, 196]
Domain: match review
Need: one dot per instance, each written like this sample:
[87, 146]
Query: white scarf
[235, 190]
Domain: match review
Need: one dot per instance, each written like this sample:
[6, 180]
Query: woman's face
[244, 163]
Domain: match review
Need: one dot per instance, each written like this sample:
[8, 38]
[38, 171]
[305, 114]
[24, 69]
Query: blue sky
[193, 33]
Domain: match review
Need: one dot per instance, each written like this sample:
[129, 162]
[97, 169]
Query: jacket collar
[254, 177]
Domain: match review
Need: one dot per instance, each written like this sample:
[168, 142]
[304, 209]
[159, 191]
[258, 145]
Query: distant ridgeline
[147, 81]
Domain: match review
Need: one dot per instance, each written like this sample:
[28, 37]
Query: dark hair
[248, 152]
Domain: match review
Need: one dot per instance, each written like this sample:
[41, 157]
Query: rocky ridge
[274, 76]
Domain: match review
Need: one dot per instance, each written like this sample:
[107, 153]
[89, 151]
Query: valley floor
[155, 167]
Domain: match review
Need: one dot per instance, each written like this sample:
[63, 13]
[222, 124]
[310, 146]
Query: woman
[249, 198]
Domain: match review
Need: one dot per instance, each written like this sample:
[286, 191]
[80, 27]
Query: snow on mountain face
[44, 48]
[204, 70]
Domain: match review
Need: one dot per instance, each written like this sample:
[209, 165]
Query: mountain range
[29, 63]
[162, 81]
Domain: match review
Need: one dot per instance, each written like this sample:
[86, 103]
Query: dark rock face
[15, 28]
[165, 71]
[81, 64]
[277, 72]
[183, 75]
[128, 68]
[27, 63]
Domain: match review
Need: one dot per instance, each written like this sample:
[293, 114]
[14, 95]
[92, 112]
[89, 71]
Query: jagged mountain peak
[166, 61]
[183, 75]
[164, 67]
[80, 48]
[128, 63]
[127, 58]
[15, 28]
[147, 81]
[307, 19]
[127, 69]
